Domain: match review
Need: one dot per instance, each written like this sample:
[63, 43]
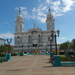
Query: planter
[8, 57]
[21, 53]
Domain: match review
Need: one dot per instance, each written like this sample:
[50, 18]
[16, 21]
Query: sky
[35, 11]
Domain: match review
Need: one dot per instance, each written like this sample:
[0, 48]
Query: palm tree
[73, 43]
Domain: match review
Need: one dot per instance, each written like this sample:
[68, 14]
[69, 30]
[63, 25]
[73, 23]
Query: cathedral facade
[34, 39]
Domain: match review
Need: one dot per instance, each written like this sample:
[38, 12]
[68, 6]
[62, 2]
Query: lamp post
[31, 48]
[51, 39]
[18, 41]
[22, 48]
[46, 46]
[58, 31]
[28, 47]
[42, 45]
[9, 41]
[50, 45]
[52, 32]
[25, 46]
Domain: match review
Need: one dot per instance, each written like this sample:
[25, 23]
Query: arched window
[50, 17]
[30, 39]
[39, 39]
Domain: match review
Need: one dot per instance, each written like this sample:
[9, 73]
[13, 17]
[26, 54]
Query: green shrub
[13, 54]
[61, 53]
[65, 58]
[2, 55]
[21, 53]
[71, 53]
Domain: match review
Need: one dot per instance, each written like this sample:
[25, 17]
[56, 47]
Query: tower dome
[50, 21]
[19, 23]
[49, 15]
[19, 18]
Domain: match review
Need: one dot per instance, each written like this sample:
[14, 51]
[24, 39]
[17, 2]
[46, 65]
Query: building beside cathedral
[2, 41]
[34, 39]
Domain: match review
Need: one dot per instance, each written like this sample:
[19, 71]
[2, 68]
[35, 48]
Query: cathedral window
[48, 38]
[39, 38]
[20, 28]
[30, 39]
[50, 17]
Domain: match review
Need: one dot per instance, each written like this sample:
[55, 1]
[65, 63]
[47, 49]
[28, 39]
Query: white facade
[34, 38]
[50, 21]
[2, 41]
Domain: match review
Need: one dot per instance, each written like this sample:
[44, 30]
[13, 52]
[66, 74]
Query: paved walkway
[33, 65]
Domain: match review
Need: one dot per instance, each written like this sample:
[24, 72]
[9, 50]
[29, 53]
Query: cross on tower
[19, 11]
[49, 9]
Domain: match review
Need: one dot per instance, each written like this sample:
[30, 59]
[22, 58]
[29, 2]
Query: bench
[3, 59]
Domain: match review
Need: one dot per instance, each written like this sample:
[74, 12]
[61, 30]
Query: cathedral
[34, 39]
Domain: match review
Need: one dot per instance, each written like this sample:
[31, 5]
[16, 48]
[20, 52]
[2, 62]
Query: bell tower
[19, 24]
[50, 21]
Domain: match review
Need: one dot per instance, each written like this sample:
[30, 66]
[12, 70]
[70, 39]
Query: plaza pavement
[33, 65]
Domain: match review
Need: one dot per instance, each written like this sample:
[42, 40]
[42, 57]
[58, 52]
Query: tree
[64, 46]
[73, 43]
[1, 48]
[10, 48]
[5, 48]
[72, 46]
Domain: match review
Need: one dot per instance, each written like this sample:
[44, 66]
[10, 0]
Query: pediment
[35, 30]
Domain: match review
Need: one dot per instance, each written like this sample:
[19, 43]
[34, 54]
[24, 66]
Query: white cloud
[58, 8]
[16, 8]
[7, 35]
[48, 1]
[62, 38]
[56, 3]
[34, 9]
[68, 4]
[41, 19]
[39, 13]
[25, 14]
[22, 8]
[44, 8]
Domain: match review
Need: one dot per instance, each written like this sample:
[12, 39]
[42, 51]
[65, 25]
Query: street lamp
[58, 31]
[42, 45]
[9, 41]
[28, 47]
[22, 48]
[25, 46]
[18, 40]
[31, 48]
[51, 39]
[52, 32]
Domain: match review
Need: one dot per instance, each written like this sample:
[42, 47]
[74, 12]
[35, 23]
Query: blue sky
[35, 11]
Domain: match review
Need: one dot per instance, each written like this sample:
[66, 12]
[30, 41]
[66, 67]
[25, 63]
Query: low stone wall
[55, 59]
